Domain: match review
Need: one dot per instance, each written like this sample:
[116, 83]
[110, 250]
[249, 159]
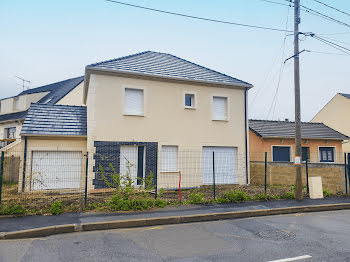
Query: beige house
[335, 114]
[155, 112]
[13, 110]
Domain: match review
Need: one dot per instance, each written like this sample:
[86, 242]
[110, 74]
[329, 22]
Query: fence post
[86, 177]
[265, 171]
[345, 174]
[348, 167]
[1, 171]
[180, 186]
[307, 174]
[214, 175]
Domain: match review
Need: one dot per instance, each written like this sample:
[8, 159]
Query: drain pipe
[24, 163]
[246, 135]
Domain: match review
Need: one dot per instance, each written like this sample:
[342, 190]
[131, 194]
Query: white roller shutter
[169, 158]
[219, 108]
[225, 165]
[56, 170]
[133, 101]
[128, 162]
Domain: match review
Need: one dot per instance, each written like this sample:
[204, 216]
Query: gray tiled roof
[345, 95]
[55, 120]
[13, 116]
[166, 65]
[56, 90]
[286, 129]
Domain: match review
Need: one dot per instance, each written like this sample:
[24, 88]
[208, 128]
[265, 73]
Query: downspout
[24, 163]
[246, 136]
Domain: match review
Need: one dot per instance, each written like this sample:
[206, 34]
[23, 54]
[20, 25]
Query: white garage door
[56, 170]
[225, 165]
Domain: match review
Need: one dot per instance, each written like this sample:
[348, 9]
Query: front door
[132, 163]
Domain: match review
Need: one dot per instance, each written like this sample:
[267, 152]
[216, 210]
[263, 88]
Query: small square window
[326, 154]
[189, 100]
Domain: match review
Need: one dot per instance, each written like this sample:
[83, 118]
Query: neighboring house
[148, 108]
[14, 109]
[320, 143]
[335, 114]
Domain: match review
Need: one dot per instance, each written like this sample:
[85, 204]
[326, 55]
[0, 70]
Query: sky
[48, 41]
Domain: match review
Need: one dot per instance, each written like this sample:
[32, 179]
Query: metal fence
[39, 177]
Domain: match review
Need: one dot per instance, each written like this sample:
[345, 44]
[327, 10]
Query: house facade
[335, 114]
[150, 109]
[320, 143]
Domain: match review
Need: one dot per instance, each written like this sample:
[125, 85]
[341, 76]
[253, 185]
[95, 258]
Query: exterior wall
[335, 115]
[284, 174]
[8, 104]
[165, 119]
[74, 97]
[258, 147]
[48, 144]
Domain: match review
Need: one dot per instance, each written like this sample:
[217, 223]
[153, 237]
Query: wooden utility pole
[298, 149]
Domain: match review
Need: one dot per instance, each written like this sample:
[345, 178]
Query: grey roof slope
[166, 65]
[55, 120]
[345, 95]
[13, 116]
[286, 129]
[57, 90]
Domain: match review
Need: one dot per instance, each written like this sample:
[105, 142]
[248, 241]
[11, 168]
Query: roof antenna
[23, 81]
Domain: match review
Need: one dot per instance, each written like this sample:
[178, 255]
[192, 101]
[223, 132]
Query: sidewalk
[31, 222]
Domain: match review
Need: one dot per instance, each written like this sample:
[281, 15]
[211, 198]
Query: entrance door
[131, 163]
[225, 165]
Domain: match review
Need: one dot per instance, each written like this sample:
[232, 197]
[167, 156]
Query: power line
[329, 43]
[332, 7]
[325, 53]
[197, 17]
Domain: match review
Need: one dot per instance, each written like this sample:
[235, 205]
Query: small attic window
[47, 100]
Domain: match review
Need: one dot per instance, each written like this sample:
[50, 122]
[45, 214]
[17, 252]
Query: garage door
[225, 165]
[56, 170]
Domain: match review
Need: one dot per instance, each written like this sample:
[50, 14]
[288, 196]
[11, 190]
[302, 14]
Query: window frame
[6, 132]
[226, 97]
[164, 164]
[334, 155]
[194, 100]
[128, 87]
[290, 153]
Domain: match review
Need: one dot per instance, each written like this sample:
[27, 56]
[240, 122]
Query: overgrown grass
[12, 209]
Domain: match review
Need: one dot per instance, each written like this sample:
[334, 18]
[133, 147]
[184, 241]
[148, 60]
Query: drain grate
[276, 235]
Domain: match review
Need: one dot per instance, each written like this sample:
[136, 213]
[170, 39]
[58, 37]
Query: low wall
[284, 174]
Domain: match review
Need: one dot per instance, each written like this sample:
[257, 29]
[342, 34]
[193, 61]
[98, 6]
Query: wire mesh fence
[37, 178]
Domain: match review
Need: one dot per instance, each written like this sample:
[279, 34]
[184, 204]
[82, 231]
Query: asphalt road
[323, 236]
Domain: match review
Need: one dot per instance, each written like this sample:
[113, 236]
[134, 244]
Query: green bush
[12, 209]
[122, 202]
[161, 203]
[56, 208]
[326, 193]
[289, 195]
[196, 198]
[233, 196]
[262, 197]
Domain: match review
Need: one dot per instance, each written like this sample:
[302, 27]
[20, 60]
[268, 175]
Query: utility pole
[298, 149]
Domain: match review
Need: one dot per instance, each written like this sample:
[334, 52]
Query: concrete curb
[70, 228]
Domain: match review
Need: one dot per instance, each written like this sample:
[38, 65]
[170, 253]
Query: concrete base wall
[333, 178]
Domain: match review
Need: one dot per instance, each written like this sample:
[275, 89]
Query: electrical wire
[197, 17]
[325, 53]
[334, 45]
[332, 7]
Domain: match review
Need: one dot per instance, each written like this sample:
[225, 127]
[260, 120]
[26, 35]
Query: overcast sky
[49, 41]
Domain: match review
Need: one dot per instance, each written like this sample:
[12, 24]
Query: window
[219, 108]
[169, 158]
[305, 153]
[326, 154]
[17, 105]
[133, 103]
[189, 101]
[10, 132]
[281, 153]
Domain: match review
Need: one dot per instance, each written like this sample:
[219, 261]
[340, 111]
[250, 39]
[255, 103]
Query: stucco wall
[17, 124]
[165, 119]
[335, 115]
[284, 174]
[74, 97]
[8, 104]
[258, 147]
